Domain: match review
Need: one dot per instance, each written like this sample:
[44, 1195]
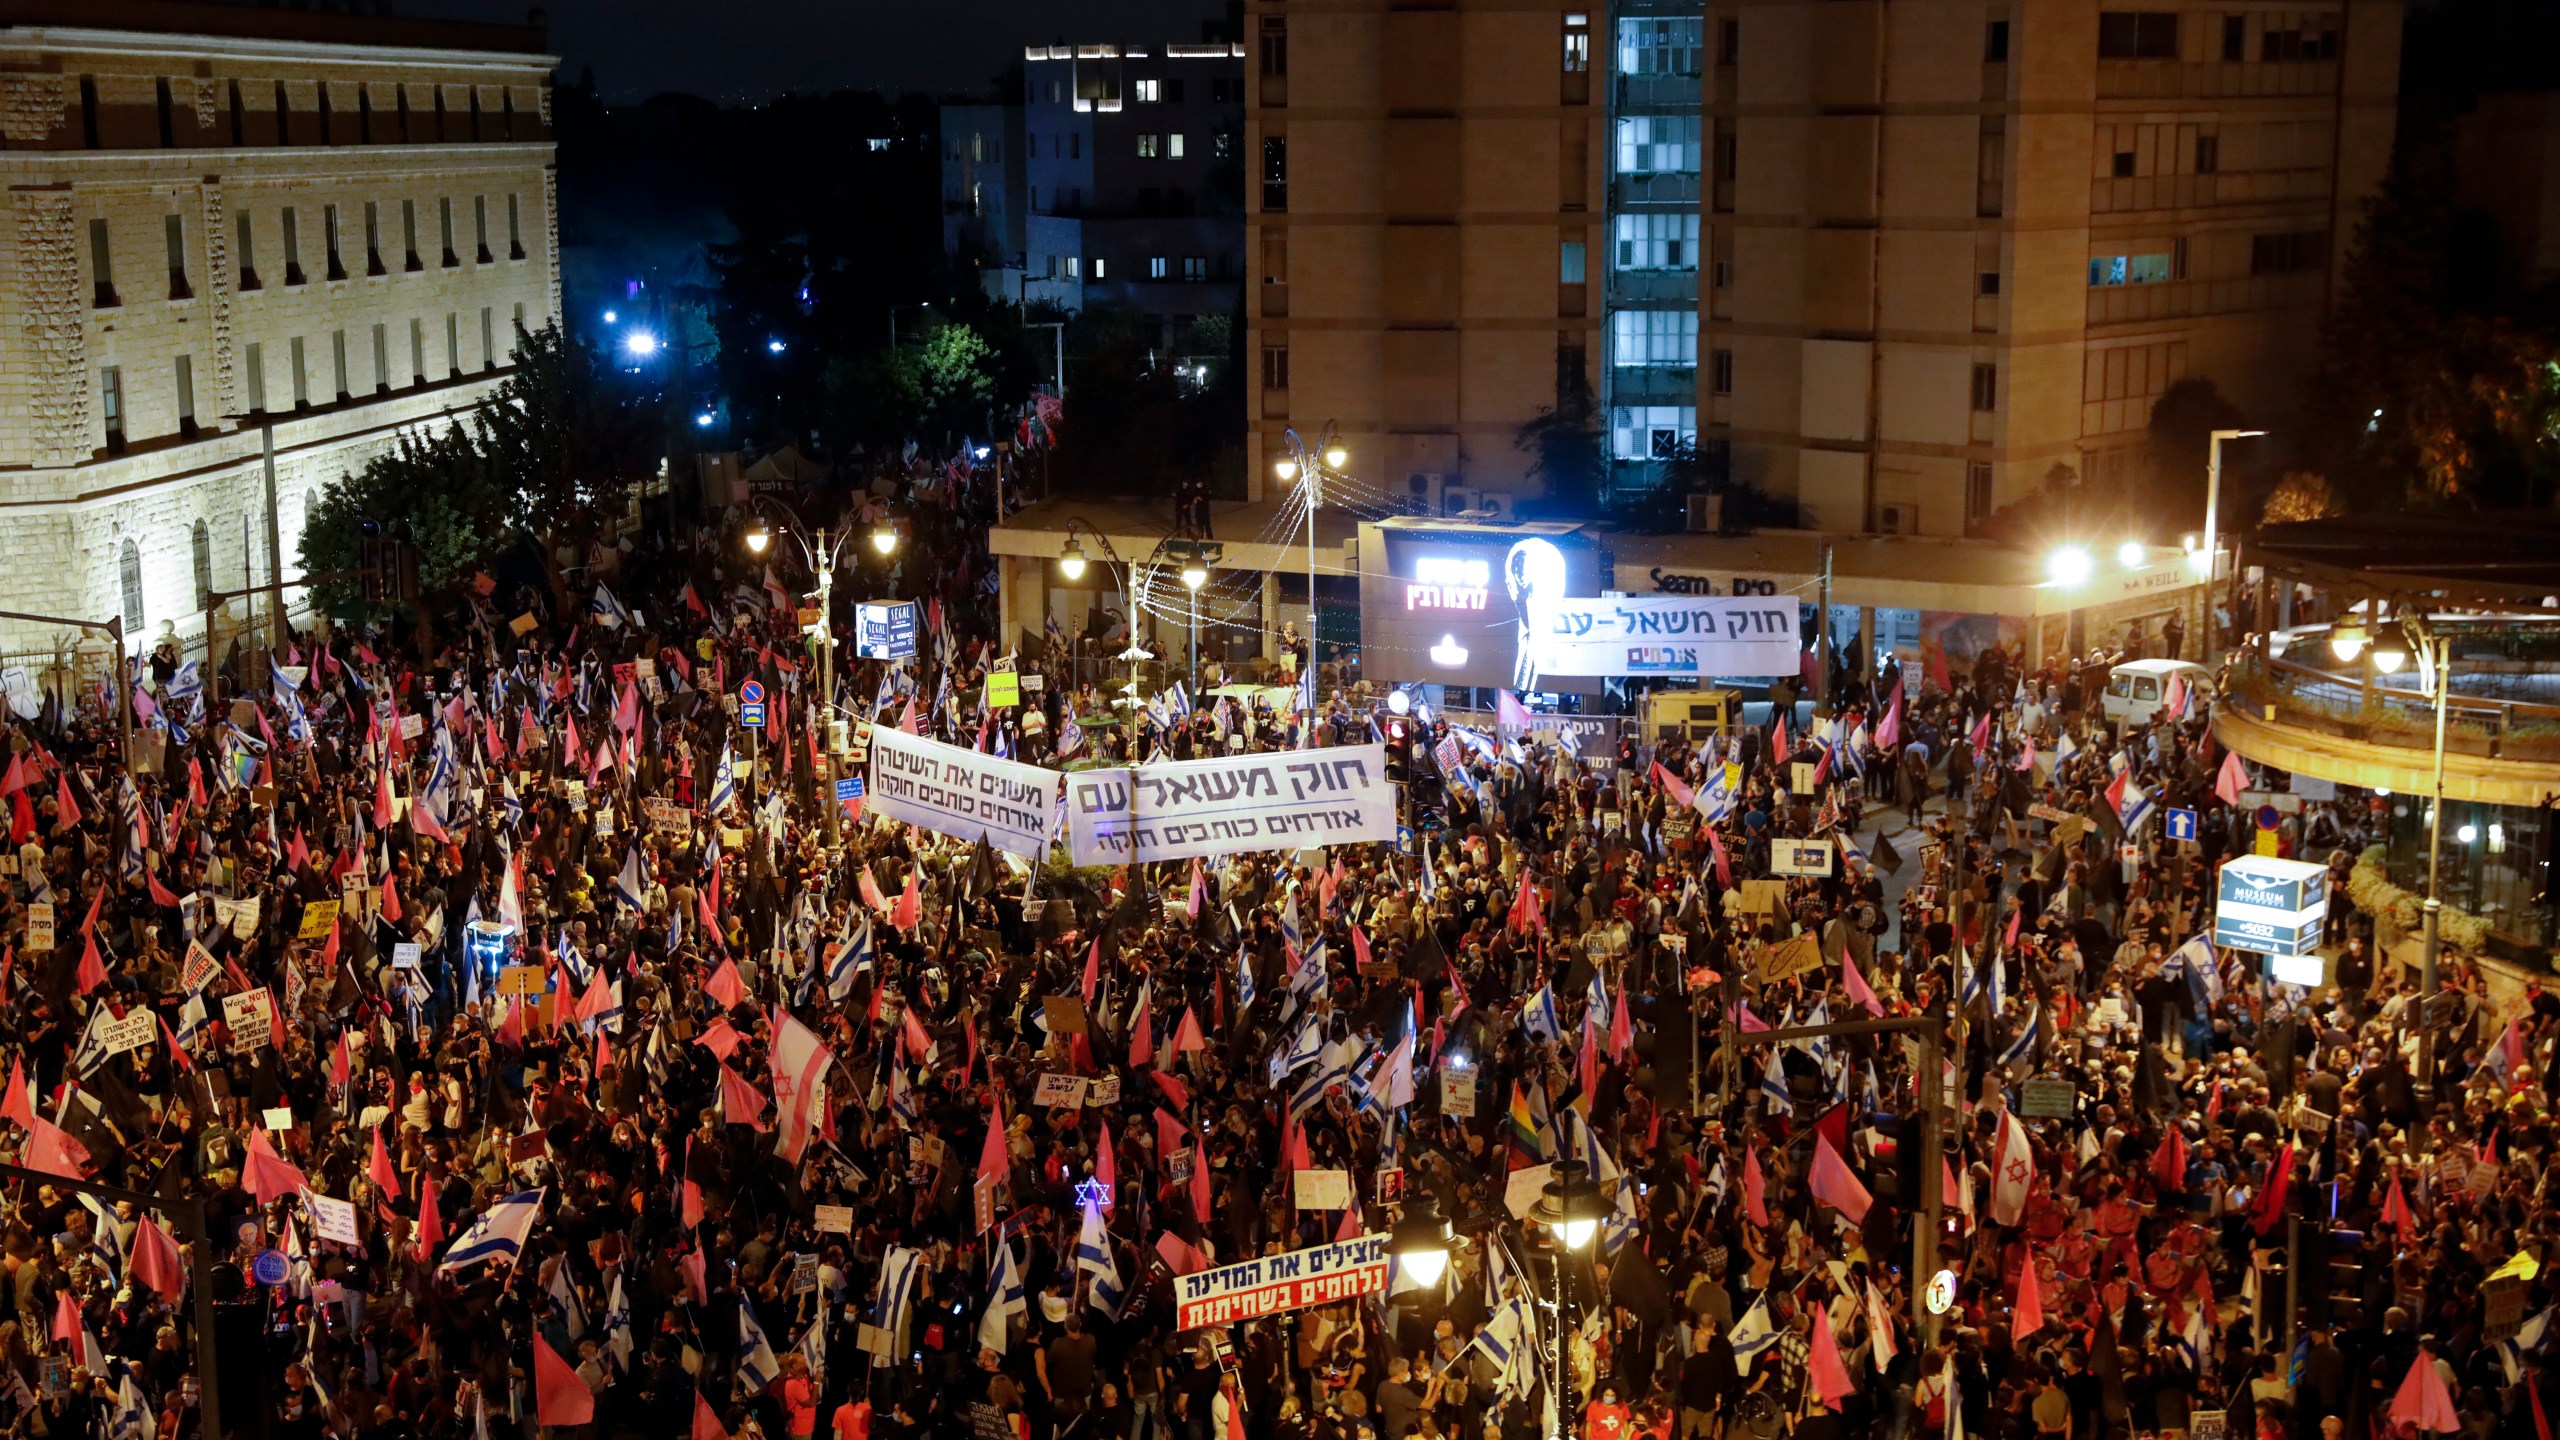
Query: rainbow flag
[1525, 1149]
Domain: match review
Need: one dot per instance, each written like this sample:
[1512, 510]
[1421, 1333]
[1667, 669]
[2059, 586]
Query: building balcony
[2291, 703]
[1665, 188]
[1652, 287]
[1657, 94]
[1652, 385]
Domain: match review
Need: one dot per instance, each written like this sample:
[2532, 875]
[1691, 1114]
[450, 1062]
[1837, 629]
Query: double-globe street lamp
[821, 553]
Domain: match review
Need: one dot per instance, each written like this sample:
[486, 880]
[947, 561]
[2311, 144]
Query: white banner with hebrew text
[961, 793]
[1284, 800]
[1734, 637]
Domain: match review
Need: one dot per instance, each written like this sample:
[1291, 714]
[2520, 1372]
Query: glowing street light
[640, 344]
[2070, 566]
[2129, 554]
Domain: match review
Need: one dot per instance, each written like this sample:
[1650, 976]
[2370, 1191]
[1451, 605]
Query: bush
[2374, 893]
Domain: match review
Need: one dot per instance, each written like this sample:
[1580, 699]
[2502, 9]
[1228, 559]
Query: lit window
[1097, 267]
[1654, 337]
[1651, 432]
[1147, 147]
[1156, 267]
[1656, 240]
[1173, 146]
[2151, 269]
[1658, 145]
[1662, 47]
[1147, 92]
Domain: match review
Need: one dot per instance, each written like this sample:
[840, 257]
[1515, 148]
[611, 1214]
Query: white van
[2136, 687]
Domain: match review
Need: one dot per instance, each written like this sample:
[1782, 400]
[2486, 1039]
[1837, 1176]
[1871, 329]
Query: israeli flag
[499, 1233]
[617, 1328]
[812, 1346]
[632, 884]
[564, 1303]
[2204, 970]
[1538, 1017]
[900, 1271]
[1244, 981]
[1773, 1088]
[1752, 1334]
[1004, 1299]
[724, 781]
[2137, 807]
[1093, 1257]
[2024, 1047]
[188, 682]
[1289, 929]
[610, 610]
[757, 1364]
[1430, 873]
[1176, 703]
[132, 1418]
[852, 957]
[1305, 1048]
[2066, 752]
[1715, 799]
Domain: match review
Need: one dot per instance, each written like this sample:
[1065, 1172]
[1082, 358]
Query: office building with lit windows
[1893, 263]
[230, 220]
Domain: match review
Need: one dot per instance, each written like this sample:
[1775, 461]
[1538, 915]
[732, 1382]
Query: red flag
[379, 1169]
[430, 1221]
[67, 810]
[2541, 1423]
[269, 1174]
[1754, 1187]
[1859, 989]
[2169, 1163]
[740, 1102]
[2395, 1210]
[2270, 1203]
[66, 1317]
[910, 908]
[1188, 1036]
[156, 1261]
[93, 971]
[2027, 1316]
[53, 1151]
[2423, 1402]
[559, 1396]
[1200, 1206]
[1834, 1184]
[1142, 1040]
[995, 1162]
[724, 985]
[706, 1423]
[16, 1104]
[1106, 1165]
[1822, 1361]
[1092, 970]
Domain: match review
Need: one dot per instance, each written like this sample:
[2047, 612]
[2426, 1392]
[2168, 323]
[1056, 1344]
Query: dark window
[444, 213]
[2123, 165]
[174, 227]
[168, 115]
[2288, 253]
[1977, 493]
[284, 115]
[1720, 371]
[475, 112]
[2208, 154]
[1275, 44]
[507, 114]
[301, 375]
[1275, 367]
[1995, 42]
[129, 570]
[373, 237]
[2283, 46]
[292, 247]
[439, 113]
[202, 542]
[1988, 284]
[1986, 387]
[364, 114]
[480, 229]
[326, 138]
[338, 361]
[253, 363]
[1275, 172]
[248, 257]
[185, 377]
[239, 117]
[111, 405]
[2137, 35]
[1728, 42]
[409, 234]
[329, 241]
[2235, 37]
[515, 227]
[89, 111]
[381, 358]
[400, 98]
[102, 266]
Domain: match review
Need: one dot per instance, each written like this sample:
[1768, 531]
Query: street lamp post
[1071, 563]
[1195, 573]
[1308, 465]
[2434, 649]
[1569, 1210]
[822, 558]
[2212, 511]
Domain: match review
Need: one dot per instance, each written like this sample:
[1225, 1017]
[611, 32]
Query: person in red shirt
[1606, 1419]
[852, 1420]
[799, 1398]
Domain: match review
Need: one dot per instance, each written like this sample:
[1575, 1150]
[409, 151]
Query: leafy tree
[955, 380]
[567, 438]
[1569, 457]
[2301, 495]
[430, 491]
[2168, 494]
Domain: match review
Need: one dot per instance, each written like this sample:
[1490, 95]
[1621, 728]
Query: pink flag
[2027, 1316]
[2233, 780]
[156, 1260]
[1822, 1360]
[1834, 1184]
[1857, 985]
[2423, 1401]
[1754, 1189]
[559, 1396]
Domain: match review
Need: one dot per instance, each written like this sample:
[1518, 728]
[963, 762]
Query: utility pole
[1822, 629]
[275, 541]
[823, 714]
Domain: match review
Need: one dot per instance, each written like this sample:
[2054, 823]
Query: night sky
[746, 50]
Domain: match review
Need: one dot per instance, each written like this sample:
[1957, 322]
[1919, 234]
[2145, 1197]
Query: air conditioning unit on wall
[1706, 514]
[1898, 519]
[1470, 503]
[1423, 493]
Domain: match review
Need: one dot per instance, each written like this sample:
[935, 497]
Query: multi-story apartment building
[1129, 173]
[1893, 262]
[230, 221]
[982, 195]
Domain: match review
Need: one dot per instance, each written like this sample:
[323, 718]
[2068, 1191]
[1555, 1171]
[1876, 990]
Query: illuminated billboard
[1444, 602]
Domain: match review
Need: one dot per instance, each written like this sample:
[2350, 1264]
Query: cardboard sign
[1102, 1091]
[198, 967]
[404, 956]
[40, 926]
[318, 919]
[1323, 1189]
[1800, 777]
[2047, 1098]
[2053, 814]
[1801, 857]
[130, 1033]
[1058, 1090]
[835, 1219]
[1065, 1014]
[332, 1220]
[1458, 1094]
[1003, 689]
[1790, 958]
[1763, 897]
[524, 624]
[522, 980]
[412, 726]
[250, 1016]
[667, 815]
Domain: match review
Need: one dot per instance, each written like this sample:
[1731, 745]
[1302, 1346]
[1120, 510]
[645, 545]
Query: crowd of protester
[501, 1037]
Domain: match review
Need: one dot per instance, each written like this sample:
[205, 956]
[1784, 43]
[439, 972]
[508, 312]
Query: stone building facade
[227, 221]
